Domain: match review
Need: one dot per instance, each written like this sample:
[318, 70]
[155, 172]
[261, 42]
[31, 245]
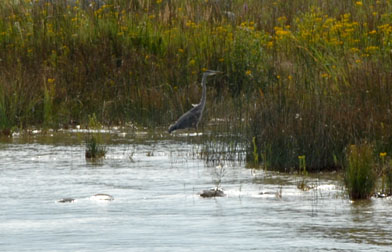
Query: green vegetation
[94, 147]
[388, 175]
[385, 172]
[360, 176]
[94, 150]
[301, 77]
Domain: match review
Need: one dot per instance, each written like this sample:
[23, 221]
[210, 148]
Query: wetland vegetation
[303, 80]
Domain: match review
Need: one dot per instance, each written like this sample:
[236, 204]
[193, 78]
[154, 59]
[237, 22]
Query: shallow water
[155, 180]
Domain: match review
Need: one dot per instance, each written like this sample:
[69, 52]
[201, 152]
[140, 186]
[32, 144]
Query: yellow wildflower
[324, 75]
[371, 48]
[51, 80]
[383, 154]
[248, 73]
[359, 3]
[354, 50]
[282, 19]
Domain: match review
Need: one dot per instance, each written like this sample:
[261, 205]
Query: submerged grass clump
[360, 176]
[94, 150]
[94, 147]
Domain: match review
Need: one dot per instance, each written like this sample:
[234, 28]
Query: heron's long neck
[203, 95]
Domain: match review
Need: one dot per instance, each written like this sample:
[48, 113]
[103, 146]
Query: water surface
[155, 179]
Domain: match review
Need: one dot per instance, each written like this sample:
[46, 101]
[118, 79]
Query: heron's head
[210, 72]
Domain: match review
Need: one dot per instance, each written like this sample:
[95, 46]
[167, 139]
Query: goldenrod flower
[354, 50]
[371, 48]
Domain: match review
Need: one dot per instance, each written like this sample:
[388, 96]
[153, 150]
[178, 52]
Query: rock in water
[213, 192]
[102, 196]
[66, 200]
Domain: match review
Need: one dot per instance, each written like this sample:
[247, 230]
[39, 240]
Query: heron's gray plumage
[192, 118]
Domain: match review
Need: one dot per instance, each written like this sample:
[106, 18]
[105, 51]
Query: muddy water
[154, 180]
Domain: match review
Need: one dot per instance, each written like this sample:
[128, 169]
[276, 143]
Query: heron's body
[192, 118]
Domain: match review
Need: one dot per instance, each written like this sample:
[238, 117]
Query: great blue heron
[192, 118]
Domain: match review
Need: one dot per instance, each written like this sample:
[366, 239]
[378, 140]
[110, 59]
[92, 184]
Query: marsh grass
[385, 172]
[360, 176]
[300, 77]
[302, 184]
[388, 175]
[95, 149]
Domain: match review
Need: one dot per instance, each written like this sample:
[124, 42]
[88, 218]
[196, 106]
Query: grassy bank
[308, 78]
[332, 87]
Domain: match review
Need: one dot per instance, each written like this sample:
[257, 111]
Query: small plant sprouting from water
[219, 173]
[383, 171]
[302, 171]
[302, 165]
[360, 177]
[94, 148]
[255, 152]
[388, 175]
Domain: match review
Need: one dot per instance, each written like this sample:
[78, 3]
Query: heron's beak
[216, 72]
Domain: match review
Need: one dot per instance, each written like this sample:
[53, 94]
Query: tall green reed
[360, 176]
